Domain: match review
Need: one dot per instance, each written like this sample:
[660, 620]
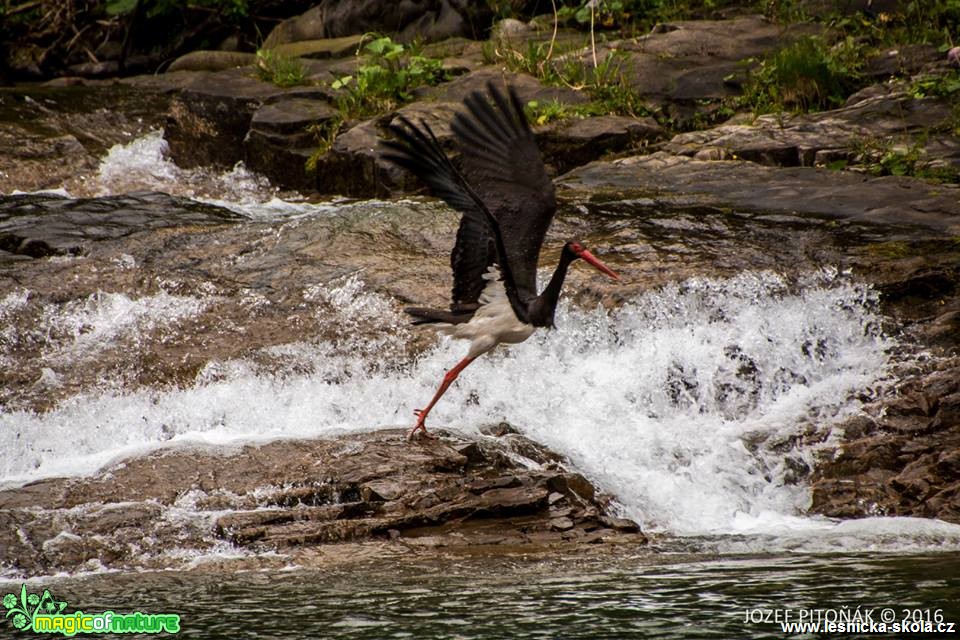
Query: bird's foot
[420, 426]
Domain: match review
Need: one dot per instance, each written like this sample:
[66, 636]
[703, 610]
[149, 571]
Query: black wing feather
[417, 150]
[506, 171]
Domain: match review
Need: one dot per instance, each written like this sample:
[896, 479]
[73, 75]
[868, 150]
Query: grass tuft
[281, 70]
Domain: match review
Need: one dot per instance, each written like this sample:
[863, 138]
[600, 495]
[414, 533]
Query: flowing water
[695, 403]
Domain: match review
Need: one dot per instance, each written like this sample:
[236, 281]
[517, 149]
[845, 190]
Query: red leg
[447, 380]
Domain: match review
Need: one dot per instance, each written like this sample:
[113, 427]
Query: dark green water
[623, 594]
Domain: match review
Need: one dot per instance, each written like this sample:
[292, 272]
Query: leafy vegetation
[941, 86]
[634, 15]
[606, 83]
[887, 158]
[385, 78]
[540, 113]
[325, 133]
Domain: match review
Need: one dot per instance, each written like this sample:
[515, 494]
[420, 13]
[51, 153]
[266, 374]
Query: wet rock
[290, 495]
[41, 225]
[908, 464]
[620, 524]
[53, 137]
[579, 141]
[752, 187]
[210, 116]
[498, 430]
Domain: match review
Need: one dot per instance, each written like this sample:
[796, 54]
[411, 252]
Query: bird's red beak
[599, 266]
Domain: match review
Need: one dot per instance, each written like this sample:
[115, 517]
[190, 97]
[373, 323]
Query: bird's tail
[423, 315]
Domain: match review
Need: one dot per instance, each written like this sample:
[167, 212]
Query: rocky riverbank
[373, 492]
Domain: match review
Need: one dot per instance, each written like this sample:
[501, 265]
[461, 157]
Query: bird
[506, 202]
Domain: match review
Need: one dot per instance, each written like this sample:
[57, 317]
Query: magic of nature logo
[43, 613]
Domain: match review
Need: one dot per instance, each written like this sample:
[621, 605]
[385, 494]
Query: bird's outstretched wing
[501, 159]
[478, 239]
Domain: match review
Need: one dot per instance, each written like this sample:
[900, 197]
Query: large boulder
[354, 165]
[281, 138]
[426, 20]
[210, 116]
[577, 141]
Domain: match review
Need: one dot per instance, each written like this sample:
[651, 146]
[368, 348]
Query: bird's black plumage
[507, 204]
[501, 157]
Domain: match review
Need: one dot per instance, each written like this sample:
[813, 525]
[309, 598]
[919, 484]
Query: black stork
[507, 201]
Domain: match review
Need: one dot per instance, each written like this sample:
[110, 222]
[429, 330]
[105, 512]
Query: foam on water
[684, 403]
[83, 328]
[144, 165]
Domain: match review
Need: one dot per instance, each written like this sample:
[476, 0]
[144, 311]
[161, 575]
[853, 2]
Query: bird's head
[577, 250]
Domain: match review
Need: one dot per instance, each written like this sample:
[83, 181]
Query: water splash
[144, 165]
[81, 329]
[686, 403]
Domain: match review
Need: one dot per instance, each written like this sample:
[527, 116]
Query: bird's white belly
[493, 323]
[495, 320]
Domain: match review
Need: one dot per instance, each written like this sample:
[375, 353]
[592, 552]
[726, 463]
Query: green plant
[941, 86]
[540, 113]
[385, 79]
[613, 14]
[788, 11]
[325, 133]
[534, 58]
[884, 158]
[807, 75]
[915, 22]
[606, 84]
[609, 14]
[281, 70]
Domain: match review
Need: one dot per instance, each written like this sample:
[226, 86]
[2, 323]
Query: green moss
[893, 250]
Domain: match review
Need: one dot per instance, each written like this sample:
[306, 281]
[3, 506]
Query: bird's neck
[545, 305]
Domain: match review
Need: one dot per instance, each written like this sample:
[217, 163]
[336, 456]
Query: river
[694, 403]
